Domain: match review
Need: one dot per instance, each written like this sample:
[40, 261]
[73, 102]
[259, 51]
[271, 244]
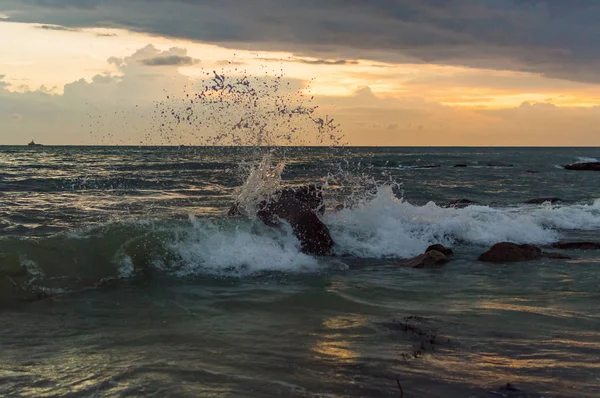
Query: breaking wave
[381, 227]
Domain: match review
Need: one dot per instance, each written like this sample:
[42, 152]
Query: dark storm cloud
[170, 60]
[556, 38]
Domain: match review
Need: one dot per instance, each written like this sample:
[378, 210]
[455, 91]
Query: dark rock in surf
[460, 165]
[428, 166]
[339, 207]
[440, 248]
[577, 245]
[506, 252]
[461, 203]
[311, 195]
[590, 166]
[498, 164]
[539, 201]
[429, 259]
[299, 207]
[532, 171]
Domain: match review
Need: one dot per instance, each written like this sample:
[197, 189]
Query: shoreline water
[203, 305]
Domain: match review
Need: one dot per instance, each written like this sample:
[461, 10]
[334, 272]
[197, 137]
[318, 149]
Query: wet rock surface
[506, 252]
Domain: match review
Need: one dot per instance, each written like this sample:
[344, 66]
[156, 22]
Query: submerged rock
[506, 252]
[539, 201]
[428, 166]
[460, 165]
[498, 164]
[577, 245]
[461, 203]
[590, 166]
[428, 259]
[440, 248]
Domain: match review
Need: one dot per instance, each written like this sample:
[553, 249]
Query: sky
[389, 72]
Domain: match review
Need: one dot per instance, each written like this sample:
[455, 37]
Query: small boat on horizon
[33, 144]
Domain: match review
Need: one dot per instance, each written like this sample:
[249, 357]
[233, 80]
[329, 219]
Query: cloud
[106, 35]
[551, 37]
[130, 105]
[323, 61]
[171, 60]
[58, 28]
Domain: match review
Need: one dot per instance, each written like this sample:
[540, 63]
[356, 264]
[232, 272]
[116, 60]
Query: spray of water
[268, 114]
[233, 108]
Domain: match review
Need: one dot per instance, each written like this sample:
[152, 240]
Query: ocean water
[121, 276]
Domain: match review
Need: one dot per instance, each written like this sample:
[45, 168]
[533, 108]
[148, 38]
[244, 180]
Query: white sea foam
[210, 248]
[378, 228]
[33, 269]
[389, 227]
[583, 159]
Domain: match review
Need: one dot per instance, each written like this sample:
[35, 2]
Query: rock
[440, 248]
[506, 252]
[428, 259]
[460, 165]
[590, 166]
[577, 245]
[299, 207]
[311, 195]
[539, 201]
[339, 207]
[428, 166]
[532, 171]
[461, 203]
[498, 164]
[556, 255]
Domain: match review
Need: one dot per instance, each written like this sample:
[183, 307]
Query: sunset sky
[391, 72]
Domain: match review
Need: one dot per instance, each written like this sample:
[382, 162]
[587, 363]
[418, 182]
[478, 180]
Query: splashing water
[246, 110]
[263, 179]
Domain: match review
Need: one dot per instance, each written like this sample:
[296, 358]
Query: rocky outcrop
[590, 166]
[429, 259]
[428, 166]
[311, 195]
[539, 201]
[577, 245]
[300, 207]
[506, 252]
[461, 203]
[312, 233]
[498, 164]
[440, 248]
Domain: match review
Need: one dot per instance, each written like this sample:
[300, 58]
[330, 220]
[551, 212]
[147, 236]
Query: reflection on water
[335, 343]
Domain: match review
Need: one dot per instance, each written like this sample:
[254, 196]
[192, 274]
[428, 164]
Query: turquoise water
[120, 276]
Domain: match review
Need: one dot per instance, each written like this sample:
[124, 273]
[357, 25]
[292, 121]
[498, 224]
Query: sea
[121, 274]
